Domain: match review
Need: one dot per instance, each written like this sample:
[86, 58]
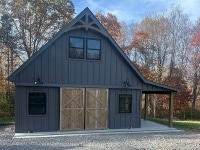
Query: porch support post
[146, 107]
[171, 99]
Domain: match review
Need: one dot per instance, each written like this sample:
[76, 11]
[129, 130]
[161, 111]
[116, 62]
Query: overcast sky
[134, 10]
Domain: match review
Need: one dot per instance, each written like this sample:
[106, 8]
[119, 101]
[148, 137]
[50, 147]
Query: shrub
[6, 108]
[190, 115]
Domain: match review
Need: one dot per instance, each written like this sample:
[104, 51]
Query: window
[36, 103]
[125, 103]
[76, 48]
[93, 49]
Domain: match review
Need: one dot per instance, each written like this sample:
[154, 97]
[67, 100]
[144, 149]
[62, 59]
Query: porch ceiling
[157, 92]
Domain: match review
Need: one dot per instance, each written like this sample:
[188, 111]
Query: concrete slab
[150, 124]
[146, 127]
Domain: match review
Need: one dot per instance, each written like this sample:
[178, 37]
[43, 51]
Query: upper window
[125, 103]
[36, 103]
[76, 48]
[93, 49]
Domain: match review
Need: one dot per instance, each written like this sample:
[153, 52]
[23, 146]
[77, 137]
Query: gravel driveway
[132, 141]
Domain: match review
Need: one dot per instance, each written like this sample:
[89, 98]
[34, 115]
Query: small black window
[125, 103]
[76, 48]
[36, 103]
[93, 49]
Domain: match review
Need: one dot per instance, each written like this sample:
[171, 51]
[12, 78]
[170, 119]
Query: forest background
[164, 46]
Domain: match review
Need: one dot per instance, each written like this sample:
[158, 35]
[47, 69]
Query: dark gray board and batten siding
[40, 123]
[54, 67]
[124, 120]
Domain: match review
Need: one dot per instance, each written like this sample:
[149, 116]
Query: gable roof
[87, 20]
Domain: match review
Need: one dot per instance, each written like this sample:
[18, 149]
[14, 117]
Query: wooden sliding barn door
[96, 109]
[72, 109]
[83, 109]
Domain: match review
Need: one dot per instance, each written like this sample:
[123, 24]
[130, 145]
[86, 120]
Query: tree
[179, 35]
[8, 59]
[2, 82]
[36, 21]
[5, 29]
[160, 42]
[145, 72]
[150, 41]
[194, 67]
[8, 43]
[116, 29]
[181, 99]
[157, 27]
[168, 39]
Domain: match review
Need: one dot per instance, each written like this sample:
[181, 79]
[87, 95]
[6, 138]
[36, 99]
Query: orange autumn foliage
[2, 85]
[146, 72]
[195, 40]
[181, 99]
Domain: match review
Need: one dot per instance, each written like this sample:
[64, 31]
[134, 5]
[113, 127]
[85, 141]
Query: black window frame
[75, 47]
[34, 105]
[125, 106]
[93, 49]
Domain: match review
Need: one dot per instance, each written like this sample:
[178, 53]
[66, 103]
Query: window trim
[99, 50]
[130, 103]
[83, 48]
[28, 104]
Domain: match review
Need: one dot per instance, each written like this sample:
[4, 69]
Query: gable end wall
[54, 66]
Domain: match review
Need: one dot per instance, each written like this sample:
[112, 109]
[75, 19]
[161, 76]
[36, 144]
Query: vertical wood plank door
[71, 109]
[96, 109]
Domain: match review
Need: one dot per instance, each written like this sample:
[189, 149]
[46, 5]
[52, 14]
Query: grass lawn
[179, 124]
[5, 121]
